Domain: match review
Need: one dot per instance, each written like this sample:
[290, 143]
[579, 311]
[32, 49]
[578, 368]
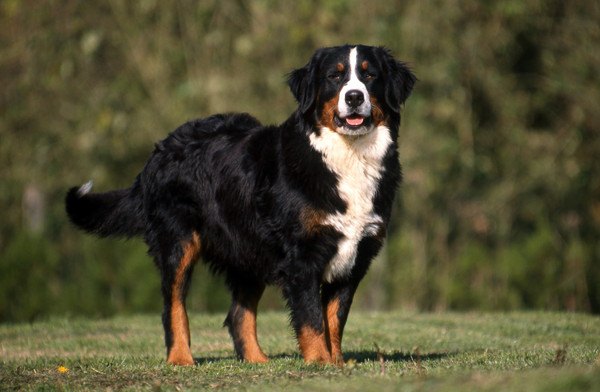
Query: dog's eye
[335, 76]
[370, 76]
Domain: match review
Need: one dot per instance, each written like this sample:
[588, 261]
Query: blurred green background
[500, 206]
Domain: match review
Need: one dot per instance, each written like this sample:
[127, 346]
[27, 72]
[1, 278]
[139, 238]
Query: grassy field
[384, 351]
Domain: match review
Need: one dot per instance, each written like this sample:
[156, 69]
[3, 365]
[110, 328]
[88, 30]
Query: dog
[303, 205]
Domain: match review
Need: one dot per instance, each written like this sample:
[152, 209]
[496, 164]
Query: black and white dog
[303, 205]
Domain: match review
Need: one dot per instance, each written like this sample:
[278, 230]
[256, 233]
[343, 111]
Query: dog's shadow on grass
[356, 356]
[205, 360]
[394, 356]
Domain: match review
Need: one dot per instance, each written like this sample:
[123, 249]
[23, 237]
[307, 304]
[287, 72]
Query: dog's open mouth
[353, 121]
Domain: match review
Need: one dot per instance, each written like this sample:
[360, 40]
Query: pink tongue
[354, 121]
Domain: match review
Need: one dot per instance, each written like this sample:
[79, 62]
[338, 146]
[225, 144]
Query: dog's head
[351, 89]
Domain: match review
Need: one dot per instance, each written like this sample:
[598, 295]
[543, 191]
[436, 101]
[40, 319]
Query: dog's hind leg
[241, 319]
[176, 269]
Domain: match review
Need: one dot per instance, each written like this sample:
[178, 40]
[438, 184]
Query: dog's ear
[302, 82]
[400, 81]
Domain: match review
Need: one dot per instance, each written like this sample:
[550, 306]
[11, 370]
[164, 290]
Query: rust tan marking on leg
[364, 65]
[179, 352]
[313, 346]
[247, 330]
[377, 113]
[334, 336]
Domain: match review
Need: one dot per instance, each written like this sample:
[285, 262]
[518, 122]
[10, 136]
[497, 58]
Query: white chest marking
[357, 162]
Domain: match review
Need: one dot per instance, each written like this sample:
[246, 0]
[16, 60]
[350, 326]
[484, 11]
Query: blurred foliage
[500, 206]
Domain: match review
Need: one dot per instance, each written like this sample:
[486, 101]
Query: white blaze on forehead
[354, 84]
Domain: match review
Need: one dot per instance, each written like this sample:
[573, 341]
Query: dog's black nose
[354, 98]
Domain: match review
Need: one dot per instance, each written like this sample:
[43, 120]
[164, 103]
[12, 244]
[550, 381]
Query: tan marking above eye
[340, 67]
[364, 65]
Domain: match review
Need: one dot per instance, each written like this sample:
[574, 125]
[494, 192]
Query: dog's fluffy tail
[114, 213]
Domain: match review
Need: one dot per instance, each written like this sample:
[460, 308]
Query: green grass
[385, 351]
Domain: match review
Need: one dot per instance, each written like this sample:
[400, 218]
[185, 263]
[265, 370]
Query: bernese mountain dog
[303, 205]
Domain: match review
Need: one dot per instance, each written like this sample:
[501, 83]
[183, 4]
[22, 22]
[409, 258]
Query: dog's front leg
[336, 299]
[303, 298]
[337, 296]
